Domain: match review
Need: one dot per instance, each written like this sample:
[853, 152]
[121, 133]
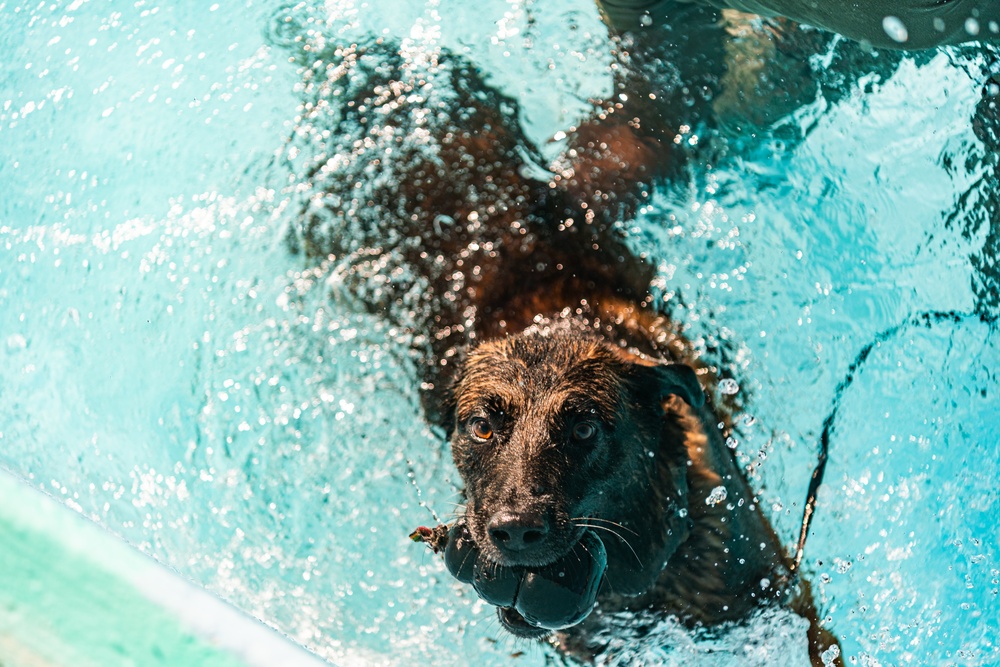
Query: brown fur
[525, 302]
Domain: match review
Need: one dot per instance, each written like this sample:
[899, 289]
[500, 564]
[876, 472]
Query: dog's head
[556, 434]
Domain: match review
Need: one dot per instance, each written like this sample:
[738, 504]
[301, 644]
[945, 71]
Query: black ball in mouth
[532, 601]
[518, 626]
[562, 594]
[461, 553]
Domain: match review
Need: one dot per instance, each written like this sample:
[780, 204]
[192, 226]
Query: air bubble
[728, 386]
[895, 28]
[16, 343]
[717, 495]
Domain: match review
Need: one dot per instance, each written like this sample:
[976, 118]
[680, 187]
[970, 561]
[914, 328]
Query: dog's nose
[517, 531]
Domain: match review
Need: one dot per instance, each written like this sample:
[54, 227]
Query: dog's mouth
[531, 600]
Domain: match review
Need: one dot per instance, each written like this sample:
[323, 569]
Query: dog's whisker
[624, 541]
[572, 552]
[580, 544]
[586, 524]
[620, 537]
[466, 559]
[613, 523]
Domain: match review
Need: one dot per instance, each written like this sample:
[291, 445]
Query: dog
[571, 402]
[889, 24]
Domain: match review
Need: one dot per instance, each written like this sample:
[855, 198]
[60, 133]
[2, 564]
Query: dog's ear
[666, 379]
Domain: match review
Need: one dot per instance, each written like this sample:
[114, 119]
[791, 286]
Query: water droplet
[646, 20]
[728, 386]
[972, 26]
[732, 442]
[717, 495]
[895, 28]
[830, 655]
[16, 343]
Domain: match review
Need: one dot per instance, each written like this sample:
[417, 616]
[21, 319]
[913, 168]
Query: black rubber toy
[553, 597]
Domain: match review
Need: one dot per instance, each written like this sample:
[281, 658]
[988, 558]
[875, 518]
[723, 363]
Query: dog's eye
[584, 431]
[480, 427]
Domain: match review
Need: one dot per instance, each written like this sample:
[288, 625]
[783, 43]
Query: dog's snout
[517, 531]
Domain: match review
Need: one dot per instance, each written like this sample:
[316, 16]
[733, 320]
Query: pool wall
[72, 594]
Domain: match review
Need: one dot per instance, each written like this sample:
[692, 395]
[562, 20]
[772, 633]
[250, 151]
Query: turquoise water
[170, 370]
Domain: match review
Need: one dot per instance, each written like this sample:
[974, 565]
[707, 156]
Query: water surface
[172, 371]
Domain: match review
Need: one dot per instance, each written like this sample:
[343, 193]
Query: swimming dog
[891, 24]
[573, 405]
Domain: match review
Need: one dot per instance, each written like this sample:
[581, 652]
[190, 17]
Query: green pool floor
[68, 598]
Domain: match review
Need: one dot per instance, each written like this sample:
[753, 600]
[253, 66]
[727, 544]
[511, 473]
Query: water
[172, 371]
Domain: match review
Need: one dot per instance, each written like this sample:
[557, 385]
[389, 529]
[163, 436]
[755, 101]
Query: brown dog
[571, 402]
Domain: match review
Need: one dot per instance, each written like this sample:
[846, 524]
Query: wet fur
[520, 296]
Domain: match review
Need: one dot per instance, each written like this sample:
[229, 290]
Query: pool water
[170, 370]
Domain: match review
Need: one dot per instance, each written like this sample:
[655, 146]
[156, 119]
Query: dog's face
[557, 434]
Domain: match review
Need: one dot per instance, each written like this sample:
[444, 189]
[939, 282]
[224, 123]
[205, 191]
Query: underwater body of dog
[576, 411]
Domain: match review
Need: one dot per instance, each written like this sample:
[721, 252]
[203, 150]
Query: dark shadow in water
[978, 208]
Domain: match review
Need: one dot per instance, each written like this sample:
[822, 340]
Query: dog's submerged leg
[893, 24]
